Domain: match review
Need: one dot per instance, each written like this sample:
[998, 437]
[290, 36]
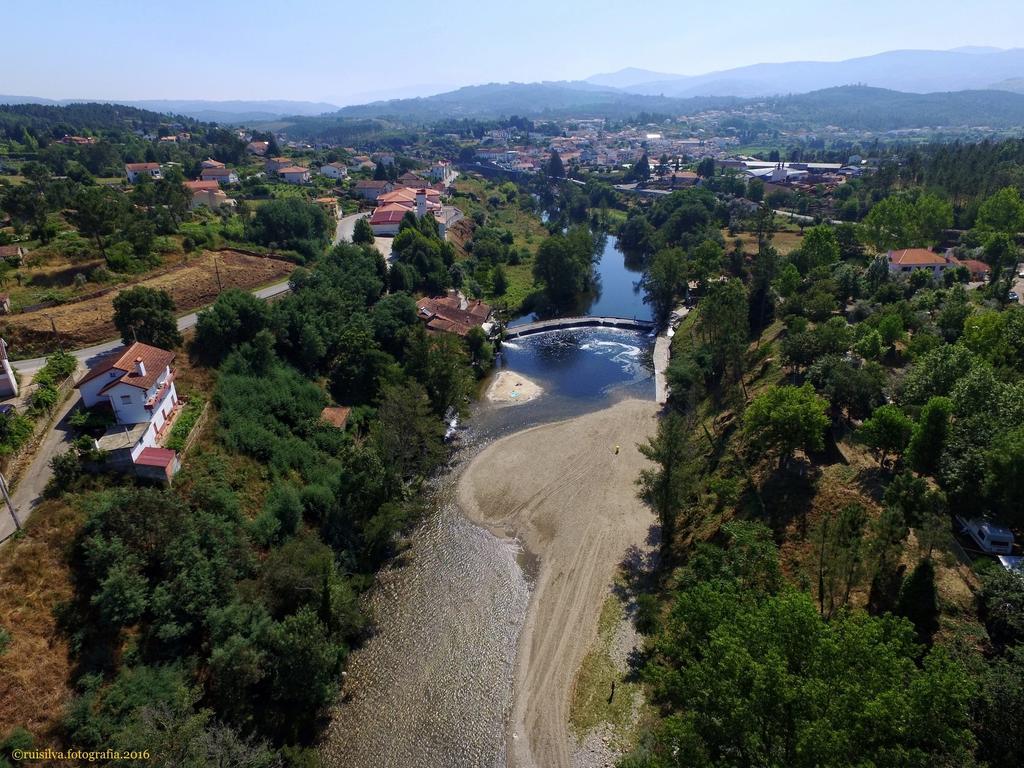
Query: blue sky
[341, 51]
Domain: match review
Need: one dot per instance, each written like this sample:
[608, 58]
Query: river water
[433, 687]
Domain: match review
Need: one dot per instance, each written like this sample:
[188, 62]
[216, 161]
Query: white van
[991, 538]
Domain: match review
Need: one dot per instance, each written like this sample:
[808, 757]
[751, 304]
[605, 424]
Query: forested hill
[575, 99]
[84, 119]
[854, 107]
[878, 109]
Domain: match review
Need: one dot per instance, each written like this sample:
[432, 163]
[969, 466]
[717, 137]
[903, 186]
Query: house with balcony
[137, 384]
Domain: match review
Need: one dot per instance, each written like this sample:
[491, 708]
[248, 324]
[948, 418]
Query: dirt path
[565, 493]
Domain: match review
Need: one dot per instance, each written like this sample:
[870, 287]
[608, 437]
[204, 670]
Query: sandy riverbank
[563, 491]
[512, 388]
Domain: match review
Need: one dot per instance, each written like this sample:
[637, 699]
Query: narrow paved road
[88, 355]
[32, 483]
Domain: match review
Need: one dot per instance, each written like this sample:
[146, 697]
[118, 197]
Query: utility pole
[10, 504]
[56, 333]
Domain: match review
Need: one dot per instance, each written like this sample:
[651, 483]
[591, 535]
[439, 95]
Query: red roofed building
[138, 385]
[135, 170]
[979, 269]
[914, 259]
[371, 189]
[160, 464]
[454, 313]
[220, 174]
[294, 174]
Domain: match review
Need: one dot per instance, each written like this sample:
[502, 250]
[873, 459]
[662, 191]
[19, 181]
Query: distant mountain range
[198, 109]
[851, 106]
[629, 91]
[969, 68]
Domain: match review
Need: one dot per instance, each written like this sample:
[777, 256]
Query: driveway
[29, 491]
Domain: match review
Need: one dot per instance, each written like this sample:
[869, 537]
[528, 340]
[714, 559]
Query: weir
[561, 323]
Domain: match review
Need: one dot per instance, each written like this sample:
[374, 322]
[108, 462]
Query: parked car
[6, 409]
[1012, 296]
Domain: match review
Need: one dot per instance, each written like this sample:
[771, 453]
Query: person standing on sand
[616, 450]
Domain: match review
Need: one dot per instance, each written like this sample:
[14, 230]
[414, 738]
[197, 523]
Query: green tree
[1002, 212]
[235, 318]
[888, 431]
[929, 437]
[841, 553]
[146, 315]
[564, 267]
[784, 419]
[555, 169]
[98, 213]
[667, 487]
[919, 601]
[499, 280]
[820, 248]
[1004, 474]
[362, 232]
[664, 282]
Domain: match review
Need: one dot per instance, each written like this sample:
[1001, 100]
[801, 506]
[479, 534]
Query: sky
[342, 52]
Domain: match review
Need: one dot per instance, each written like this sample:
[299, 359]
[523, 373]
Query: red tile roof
[975, 267]
[199, 186]
[154, 359]
[445, 313]
[389, 214]
[916, 257]
[336, 416]
[292, 169]
[156, 457]
[142, 166]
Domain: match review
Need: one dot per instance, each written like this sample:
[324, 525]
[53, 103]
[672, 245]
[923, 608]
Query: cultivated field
[192, 284]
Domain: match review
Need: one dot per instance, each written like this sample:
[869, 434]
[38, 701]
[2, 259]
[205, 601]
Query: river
[433, 687]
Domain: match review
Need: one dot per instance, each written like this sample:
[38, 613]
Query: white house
[334, 170]
[220, 175]
[135, 170]
[442, 171]
[914, 259]
[138, 384]
[294, 174]
[8, 382]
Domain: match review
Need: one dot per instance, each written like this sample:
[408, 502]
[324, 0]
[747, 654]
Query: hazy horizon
[343, 54]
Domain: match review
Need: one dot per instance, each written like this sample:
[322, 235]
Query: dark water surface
[617, 292]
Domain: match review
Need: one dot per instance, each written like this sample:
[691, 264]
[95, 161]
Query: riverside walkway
[560, 323]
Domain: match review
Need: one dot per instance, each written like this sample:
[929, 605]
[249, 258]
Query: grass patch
[590, 706]
[182, 428]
